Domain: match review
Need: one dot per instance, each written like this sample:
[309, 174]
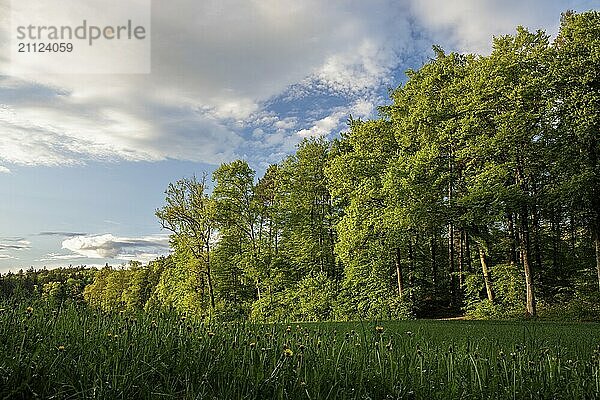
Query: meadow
[75, 352]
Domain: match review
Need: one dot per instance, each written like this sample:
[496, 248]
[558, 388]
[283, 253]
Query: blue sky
[85, 159]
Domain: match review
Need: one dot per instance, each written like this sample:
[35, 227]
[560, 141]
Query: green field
[78, 353]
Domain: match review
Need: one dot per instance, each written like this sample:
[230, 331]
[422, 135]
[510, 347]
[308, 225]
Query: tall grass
[75, 352]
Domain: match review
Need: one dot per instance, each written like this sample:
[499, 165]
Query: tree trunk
[411, 269]
[597, 241]
[486, 275]
[525, 256]
[433, 264]
[513, 240]
[399, 273]
[413, 260]
[461, 259]
[555, 239]
[451, 262]
[211, 292]
[467, 251]
[536, 239]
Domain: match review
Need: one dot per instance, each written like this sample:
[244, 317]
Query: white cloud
[108, 246]
[324, 126]
[286, 123]
[468, 25]
[336, 120]
[215, 63]
[58, 257]
[14, 244]
[4, 170]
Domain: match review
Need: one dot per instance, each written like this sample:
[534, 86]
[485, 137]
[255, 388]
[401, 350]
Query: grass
[75, 352]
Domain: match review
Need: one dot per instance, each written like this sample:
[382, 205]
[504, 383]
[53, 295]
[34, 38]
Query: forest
[475, 191]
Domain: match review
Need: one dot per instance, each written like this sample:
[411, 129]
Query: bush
[509, 294]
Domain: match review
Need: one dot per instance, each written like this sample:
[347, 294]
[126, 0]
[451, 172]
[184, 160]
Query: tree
[576, 112]
[189, 214]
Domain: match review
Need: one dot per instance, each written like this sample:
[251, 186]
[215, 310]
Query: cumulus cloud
[108, 246]
[4, 170]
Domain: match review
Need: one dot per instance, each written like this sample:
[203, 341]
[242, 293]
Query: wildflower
[288, 352]
[319, 343]
[289, 329]
[211, 334]
[109, 334]
[29, 310]
[302, 383]
[61, 348]
[252, 345]
[501, 354]
[116, 336]
[379, 329]
[408, 333]
[301, 348]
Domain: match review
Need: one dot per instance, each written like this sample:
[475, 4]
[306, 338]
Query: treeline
[55, 286]
[477, 189]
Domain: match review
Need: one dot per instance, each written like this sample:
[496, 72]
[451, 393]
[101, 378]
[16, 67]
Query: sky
[85, 158]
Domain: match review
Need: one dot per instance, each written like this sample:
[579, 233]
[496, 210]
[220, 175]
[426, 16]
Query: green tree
[189, 214]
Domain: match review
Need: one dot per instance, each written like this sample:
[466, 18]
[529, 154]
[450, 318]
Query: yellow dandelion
[288, 352]
[379, 329]
[29, 310]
